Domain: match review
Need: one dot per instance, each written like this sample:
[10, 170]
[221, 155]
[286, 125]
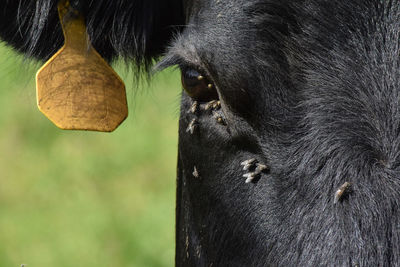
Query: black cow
[289, 139]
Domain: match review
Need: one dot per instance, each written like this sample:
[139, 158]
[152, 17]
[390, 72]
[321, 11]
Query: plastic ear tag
[76, 88]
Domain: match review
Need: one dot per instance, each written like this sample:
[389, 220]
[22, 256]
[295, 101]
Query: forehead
[216, 29]
[230, 28]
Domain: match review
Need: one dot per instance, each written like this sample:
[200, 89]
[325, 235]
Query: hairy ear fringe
[136, 30]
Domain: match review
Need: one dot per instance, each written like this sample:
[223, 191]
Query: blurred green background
[71, 198]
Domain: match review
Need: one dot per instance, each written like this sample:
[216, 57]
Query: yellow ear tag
[76, 88]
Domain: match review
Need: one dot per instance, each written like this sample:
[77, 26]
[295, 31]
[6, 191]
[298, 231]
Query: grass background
[71, 198]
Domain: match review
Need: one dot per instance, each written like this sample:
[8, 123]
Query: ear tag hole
[76, 88]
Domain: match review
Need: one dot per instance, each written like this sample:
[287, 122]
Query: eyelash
[195, 81]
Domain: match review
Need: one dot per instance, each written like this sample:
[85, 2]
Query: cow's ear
[137, 30]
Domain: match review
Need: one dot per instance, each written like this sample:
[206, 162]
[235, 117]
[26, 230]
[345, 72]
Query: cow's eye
[197, 85]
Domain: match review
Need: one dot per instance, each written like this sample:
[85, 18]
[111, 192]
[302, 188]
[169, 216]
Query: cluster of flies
[214, 106]
[199, 88]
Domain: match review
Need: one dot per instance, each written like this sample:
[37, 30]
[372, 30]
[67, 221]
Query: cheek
[207, 146]
[239, 98]
[216, 170]
[203, 121]
[207, 156]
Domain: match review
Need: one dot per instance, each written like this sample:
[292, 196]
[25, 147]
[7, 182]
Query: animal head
[300, 99]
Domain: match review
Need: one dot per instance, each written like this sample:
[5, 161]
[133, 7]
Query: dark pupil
[197, 85]
[190, 77]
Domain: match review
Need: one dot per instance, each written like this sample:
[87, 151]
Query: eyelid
[174, 59]
[168, 61]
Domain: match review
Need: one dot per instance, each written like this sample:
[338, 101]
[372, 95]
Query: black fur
[309, 87]
[133, 30]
